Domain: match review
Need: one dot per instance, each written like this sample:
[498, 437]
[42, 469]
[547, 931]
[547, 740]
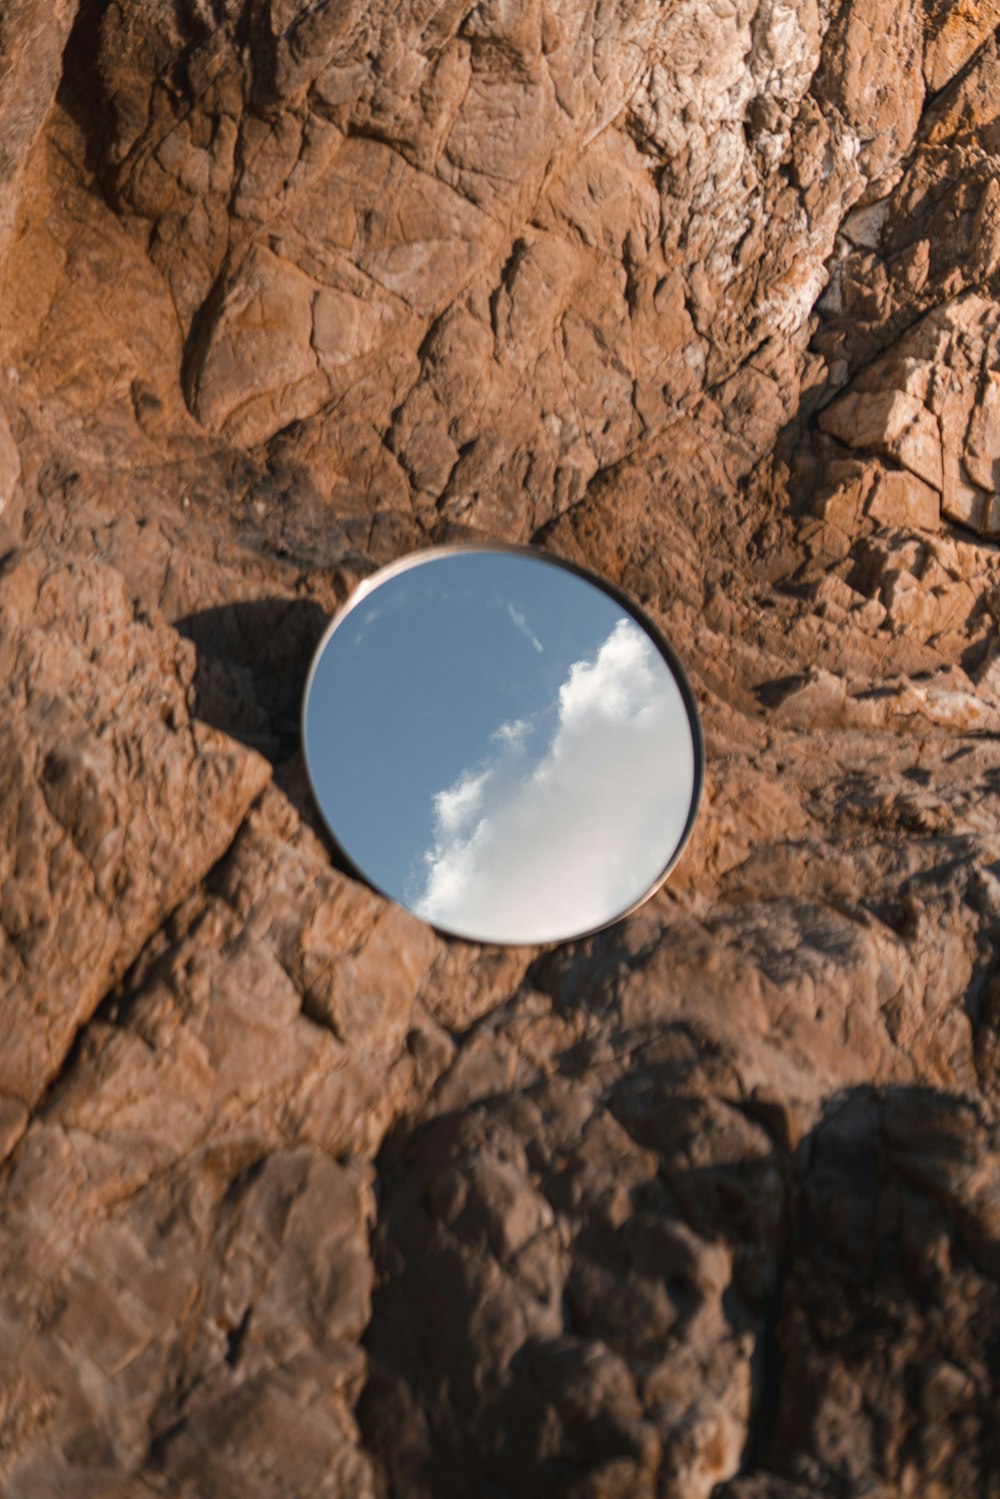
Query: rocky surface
[297, 1197]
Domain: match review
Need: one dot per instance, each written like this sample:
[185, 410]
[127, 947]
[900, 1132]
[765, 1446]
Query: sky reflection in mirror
[499, 746]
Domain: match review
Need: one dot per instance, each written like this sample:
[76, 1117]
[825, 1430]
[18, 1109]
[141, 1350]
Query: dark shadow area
[81, 92]
[252, 664]
[253, 658]
[510, 1360]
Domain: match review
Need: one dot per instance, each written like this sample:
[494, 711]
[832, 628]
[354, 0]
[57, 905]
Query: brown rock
[10, 466]
[297, 1197]
[872, 58]
[272, 349]
[901, 499]
[102, 764]
[32, 38]
[892, 422]
[953, 34]
[863, 1175]
[932, 404]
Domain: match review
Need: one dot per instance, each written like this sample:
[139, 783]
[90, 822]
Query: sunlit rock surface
[299, 1198]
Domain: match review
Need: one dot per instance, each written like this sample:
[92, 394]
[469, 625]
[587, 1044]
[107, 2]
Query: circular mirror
[502, 743]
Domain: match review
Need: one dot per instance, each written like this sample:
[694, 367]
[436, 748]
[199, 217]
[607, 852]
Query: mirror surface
[502, 744]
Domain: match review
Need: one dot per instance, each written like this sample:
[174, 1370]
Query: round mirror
[502, 743]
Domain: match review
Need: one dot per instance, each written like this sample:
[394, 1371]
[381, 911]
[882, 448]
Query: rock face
[297, 1197]
[91, 854]
[33, 34]
[932, 404]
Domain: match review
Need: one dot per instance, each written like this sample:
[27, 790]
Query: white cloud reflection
[519, 621]
[530, 847]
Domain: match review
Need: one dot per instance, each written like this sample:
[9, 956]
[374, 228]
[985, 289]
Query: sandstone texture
[297, 1197]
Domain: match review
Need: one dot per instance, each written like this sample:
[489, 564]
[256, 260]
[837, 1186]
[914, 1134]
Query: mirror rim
[429, 554]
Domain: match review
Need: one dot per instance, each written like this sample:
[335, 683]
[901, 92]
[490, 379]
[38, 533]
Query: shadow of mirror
[252, 660]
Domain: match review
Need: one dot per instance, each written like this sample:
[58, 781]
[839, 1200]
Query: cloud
[531, 847]
[511, 733]
[525, 629]
[456, 808]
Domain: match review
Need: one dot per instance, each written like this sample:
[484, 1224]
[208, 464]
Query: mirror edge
[629, 606]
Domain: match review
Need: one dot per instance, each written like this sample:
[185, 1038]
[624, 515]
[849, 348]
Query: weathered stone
[933, 404]
[904, 1160]
[319, 1202]
[10, 465]
[275, 347]
[952, 36]
[890, 422]
[901, 499]
[872, 58]
[32, 38]
[101, 766]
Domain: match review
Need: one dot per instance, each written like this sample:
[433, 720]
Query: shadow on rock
[651, 1293]
[253, 658]
[888, 1340]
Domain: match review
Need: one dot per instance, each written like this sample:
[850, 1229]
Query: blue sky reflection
[497, 745]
